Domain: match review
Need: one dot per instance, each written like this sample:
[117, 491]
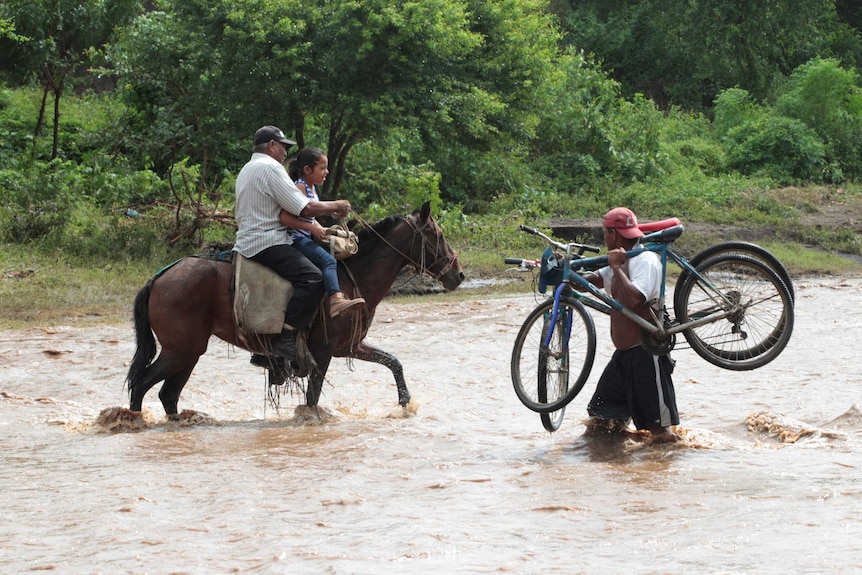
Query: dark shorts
[637, 385]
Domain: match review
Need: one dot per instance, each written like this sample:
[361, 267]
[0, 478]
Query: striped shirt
[263, 188]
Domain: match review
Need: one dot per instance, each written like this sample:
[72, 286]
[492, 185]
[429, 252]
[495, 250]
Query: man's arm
[335, 208]
[291, 221]
[622, 288]
[594, 278]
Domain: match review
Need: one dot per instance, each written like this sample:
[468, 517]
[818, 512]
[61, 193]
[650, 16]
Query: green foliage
[813, 133]
[828, 99]
[783, 148]
[590, 134]
[458, 71]
[735, 107]
[407, 188]
[77, 206]
[761, 140]
[684, 53]
[469, 103]
[36, 204]
[689, 195]
[96, 233]
[475, 179]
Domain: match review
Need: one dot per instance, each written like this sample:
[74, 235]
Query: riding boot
[284, 344]
[338, 304]
[275, 366]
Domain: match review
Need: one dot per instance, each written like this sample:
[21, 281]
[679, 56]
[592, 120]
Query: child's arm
[291, 221]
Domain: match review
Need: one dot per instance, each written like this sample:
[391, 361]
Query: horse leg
[169, 394]
[315, 380]
[369, 353]
[163, 368]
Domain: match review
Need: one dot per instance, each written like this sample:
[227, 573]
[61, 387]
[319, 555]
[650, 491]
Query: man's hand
[341, 208]
[616, 258]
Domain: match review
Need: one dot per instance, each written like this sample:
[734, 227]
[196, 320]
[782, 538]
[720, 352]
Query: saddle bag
[340, 242]
[260, 297]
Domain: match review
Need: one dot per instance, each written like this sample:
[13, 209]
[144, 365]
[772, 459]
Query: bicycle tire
[544, 378]
[760, 330]
[552, 421]
[736, 247]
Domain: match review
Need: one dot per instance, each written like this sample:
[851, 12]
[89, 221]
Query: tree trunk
[58, 91]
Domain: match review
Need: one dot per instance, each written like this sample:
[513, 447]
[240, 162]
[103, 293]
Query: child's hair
[306, 157]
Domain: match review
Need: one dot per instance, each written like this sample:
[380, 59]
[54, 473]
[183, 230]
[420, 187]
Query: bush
[688, 143]
[733, 108]
[37, 202]
[589, 135]
[783, 148]
[829, 101]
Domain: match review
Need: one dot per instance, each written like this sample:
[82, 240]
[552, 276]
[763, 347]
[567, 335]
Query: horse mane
[372, 235]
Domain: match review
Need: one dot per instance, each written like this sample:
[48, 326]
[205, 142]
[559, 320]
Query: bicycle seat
[664, 236]
[659, 225]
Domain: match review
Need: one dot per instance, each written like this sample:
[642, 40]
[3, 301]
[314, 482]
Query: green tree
[57, 41]
[685, 52]
[828, 99]
[590, 133]
[202, 75]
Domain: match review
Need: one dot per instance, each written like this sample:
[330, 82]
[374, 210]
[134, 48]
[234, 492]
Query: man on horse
[263, 189]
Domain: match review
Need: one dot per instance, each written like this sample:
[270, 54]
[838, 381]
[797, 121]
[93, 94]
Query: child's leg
[318, 255]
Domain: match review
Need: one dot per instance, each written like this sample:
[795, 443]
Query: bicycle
[732, 305]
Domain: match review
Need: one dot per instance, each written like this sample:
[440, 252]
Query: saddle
[260, 298]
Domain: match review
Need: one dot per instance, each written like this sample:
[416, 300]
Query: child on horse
[309, 169]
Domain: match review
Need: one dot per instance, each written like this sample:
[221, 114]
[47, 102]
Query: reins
[417, 231]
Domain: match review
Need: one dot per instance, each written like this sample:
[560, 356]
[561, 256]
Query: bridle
[417, 231]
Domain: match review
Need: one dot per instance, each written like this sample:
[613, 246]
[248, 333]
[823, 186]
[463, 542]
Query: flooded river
[767, 480]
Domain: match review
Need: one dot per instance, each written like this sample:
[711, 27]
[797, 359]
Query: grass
[38, 289]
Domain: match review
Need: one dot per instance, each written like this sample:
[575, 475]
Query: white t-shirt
[263, 188]
[644, 270]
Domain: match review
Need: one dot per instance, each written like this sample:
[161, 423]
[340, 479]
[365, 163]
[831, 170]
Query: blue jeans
[320, 257]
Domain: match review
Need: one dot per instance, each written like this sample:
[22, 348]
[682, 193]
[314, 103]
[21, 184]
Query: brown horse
[188, 302]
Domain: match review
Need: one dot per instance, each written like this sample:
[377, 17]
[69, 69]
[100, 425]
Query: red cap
[624, 221]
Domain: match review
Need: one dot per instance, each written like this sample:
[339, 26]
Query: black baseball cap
[268, 133]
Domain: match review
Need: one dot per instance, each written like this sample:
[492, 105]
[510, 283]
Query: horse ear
[425, 211]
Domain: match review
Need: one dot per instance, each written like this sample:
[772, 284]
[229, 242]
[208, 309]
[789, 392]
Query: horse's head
[431, 252]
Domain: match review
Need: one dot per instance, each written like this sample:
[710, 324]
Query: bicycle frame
[657, 242]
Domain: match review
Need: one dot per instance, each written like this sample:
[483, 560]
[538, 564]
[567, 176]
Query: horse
[186, 303]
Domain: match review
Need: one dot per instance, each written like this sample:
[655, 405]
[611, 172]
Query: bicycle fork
[552, 324]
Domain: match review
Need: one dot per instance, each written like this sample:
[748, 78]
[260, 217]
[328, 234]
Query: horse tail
[146, 342]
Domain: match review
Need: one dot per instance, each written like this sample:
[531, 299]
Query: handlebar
[523, 264]
[515, 261]
[581, 248]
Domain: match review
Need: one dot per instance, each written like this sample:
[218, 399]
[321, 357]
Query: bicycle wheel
[547, 377]
[552, 421]
[760, 324]
[736, 247]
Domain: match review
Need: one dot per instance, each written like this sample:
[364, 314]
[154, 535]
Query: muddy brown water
[767, 480]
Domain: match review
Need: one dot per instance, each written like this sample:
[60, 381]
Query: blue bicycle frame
[657, 242]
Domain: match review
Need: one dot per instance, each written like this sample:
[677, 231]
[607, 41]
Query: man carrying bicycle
[635, 384]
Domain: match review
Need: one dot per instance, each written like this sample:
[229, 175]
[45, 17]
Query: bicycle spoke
[755, 303]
